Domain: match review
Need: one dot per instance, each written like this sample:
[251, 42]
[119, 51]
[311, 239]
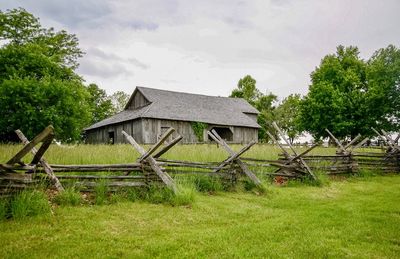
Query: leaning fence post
[234, 156]
[168, 181]
[297, 157]
[48, 170]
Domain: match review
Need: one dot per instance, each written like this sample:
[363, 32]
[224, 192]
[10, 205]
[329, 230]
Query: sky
[206, 46]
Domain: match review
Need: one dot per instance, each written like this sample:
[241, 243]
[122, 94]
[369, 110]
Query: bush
[250, 186]
[100, 193]
[126, 194]
[185, 195]
[29, 203]
[132, 194]
[69, 196]
[322, 180]
[4, 209]
[157, 194]
[208, 184]
[367, 173]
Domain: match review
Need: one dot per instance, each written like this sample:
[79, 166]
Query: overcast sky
[207, 46]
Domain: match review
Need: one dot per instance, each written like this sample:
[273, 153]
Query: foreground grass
[357, 218]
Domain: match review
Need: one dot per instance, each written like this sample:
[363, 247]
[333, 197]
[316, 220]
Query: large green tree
[383, 75]
[100, 104]
[38, 84]
[348, 95]
[287, 116]
[337, 96]
[264, 103]
[246, 89]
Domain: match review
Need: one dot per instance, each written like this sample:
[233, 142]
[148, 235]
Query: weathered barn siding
[244, 135]
[138, 100]
[148, 131]
[240, 134]
[154, 128]
[101, 135]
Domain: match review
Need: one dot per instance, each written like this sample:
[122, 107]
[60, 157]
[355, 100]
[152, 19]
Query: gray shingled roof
[187, 107]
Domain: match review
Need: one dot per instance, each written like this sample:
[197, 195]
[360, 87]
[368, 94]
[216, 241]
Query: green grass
[28, 203]
[356, 218]
[185, 196]
[69, 197]
[4, 208]
[123, 153]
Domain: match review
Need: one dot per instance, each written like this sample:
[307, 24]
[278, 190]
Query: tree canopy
[100, 104]
[38, 84]
[348, 95]
[119, 99]
[264, 103]
[383, 75]
[287, 116]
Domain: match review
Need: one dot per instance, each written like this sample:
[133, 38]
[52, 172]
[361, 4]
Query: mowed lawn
[357, 217]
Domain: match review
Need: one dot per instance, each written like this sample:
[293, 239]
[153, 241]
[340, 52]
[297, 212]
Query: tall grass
[4, 208]
[204, 183]
[185, 195]
[69, 197]
[123, 153]
[29, 203]
[101, 192]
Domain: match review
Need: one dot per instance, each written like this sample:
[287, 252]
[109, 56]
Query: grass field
[104, 154]
[353, 217]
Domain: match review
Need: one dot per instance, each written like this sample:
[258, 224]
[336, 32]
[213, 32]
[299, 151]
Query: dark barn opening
[225, 133]
[111, 138]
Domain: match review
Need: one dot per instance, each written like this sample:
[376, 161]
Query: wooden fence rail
[151, 168]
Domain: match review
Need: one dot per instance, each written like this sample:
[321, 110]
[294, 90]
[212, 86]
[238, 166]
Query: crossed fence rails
[150, 168]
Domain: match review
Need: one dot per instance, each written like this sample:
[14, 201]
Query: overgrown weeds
[69, 197]
[101, 193]
[185, 195]
[4, 208]
[322, 180]
[207, 184]
[250, 186]
[28, 203]
[155, 194]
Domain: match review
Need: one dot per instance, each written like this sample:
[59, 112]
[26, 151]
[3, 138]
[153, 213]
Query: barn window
[111, 137]
[224, 132]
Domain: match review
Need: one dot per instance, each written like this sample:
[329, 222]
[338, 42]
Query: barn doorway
[224, 132]
[111, 137]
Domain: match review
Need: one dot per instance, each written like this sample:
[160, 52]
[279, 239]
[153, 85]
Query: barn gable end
[137, 100]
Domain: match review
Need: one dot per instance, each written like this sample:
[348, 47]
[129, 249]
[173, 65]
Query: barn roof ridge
[185, 93]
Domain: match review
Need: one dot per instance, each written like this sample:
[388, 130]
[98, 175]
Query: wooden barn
[150, 112]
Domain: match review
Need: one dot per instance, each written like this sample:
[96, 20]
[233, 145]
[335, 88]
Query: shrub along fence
[150, 169]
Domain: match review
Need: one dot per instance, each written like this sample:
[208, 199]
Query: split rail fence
[150, 168]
